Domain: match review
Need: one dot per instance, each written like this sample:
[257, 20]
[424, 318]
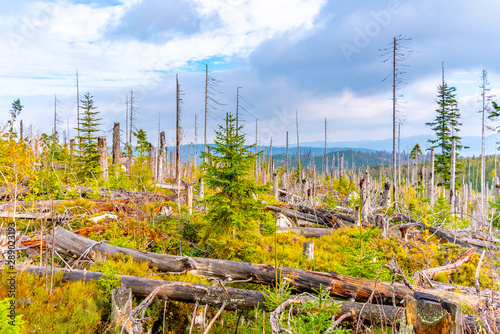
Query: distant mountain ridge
[407, 143]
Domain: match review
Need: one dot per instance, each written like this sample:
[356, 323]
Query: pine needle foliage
[89, 123]
[234, 204]
[446, 127]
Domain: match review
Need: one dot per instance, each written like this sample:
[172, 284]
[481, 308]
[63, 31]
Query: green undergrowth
[75, 307]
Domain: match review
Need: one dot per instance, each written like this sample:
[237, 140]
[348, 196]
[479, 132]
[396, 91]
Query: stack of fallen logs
[394, 300]
[399, 305]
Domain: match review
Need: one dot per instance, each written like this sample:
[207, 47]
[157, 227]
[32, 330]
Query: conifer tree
[88, 139]
[446, 126]
[233, 207]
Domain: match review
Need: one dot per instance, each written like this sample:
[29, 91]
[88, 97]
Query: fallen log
[233, 298]
[178, 291]
[433, 230]
[452, 266]
[308, 232]
[116, 193]
[298, 215]
[480, 243]
[328, 216]
[345, 287]
[35, 215]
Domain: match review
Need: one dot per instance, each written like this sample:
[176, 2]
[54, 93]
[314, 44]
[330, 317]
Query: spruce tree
[88, 139]
[233, 206]
[446, 126]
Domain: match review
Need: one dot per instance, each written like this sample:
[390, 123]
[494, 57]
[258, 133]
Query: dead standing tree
[178, 133]
[396, 54]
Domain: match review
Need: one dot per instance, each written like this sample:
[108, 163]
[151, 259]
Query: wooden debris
[452, 266]
[303, 280]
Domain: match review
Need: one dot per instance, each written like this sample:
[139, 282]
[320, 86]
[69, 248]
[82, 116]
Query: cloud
[321, 58]
[158, 21]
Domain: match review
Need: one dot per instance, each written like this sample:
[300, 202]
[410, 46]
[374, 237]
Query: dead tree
[152, 161]
[117, 153]
[452, 175]
[103, 157]
[431, 191]
[178, 133]
[162, 162]
[364, 189]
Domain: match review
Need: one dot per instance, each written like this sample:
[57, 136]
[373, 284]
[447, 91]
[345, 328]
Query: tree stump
[121, 305]
[308, 250]
[427, 314]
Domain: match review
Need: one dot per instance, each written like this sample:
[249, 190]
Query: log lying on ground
[449, 268]
[233, 298]
[178, 291]
[303, 280]
[116, 193]
[45, 205]
[35, 215]
[433, 230]
[332, 218]
[480, 243]
[309, 232]
[298, 215]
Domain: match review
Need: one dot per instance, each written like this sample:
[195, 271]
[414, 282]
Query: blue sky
[320, 58]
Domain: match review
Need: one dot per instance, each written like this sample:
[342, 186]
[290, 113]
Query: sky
[317, 59]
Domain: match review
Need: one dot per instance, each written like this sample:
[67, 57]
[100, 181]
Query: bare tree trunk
[162, 162]
[117, 153]
[386, 195]
[341, 166]
[130, 150]
[452, 175]
[256, 159]
[431, 180]
[152, 160]
[77, 105]
[206, 110]
[71, 147]
[172, 164]
[275, 185]
[298, 142]
[332, 176]
[365, 197]
[21, 131]
[103, 157]
[394, 191]
[178, 134]
[325, 158]
[287, 170]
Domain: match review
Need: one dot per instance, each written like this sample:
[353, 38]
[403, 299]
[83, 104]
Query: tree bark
[235, 298]
[298, 215]
[117, 152]
[103, 157]
[177, 291]
[303, 280]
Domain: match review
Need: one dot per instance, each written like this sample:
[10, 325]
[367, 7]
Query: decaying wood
[435, 231]
[449, 268]
[235, 298]
[425, 316]
[177, 291]
[332, 218]
[341, 286]
[35, 215]
[298, 215]
[103, 156]
[116, 152]
[308, 232]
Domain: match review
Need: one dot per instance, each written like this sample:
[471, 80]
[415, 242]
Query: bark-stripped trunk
[117, 153]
